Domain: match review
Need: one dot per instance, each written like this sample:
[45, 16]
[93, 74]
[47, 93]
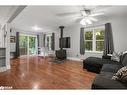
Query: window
[94, 40]
[99, 39]
[89, 40]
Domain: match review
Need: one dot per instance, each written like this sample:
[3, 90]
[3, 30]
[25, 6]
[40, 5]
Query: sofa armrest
[105, 83]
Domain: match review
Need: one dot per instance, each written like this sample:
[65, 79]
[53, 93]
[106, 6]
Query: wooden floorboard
[32, 72]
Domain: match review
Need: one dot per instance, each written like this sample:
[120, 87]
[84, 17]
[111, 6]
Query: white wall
[119, 28]
[57, 36]
[73, 32]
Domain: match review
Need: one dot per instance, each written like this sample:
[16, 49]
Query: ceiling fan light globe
[82, 22]
[36, 28]
[88, 21]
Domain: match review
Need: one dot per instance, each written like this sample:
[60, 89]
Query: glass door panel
[32, 45]
[23, 44]
[27, 44]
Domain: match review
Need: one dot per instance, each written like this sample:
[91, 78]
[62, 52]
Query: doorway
[27, 44]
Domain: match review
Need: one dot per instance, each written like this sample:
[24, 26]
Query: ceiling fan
[87, 16]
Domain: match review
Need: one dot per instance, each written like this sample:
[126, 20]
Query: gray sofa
[105, 68]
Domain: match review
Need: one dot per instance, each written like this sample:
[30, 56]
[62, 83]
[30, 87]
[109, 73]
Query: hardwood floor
[38, 73]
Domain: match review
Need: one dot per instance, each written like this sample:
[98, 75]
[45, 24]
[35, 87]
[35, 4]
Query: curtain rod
[93, 26]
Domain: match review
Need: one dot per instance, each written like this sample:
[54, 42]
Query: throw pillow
[121, 75]
[116, 56]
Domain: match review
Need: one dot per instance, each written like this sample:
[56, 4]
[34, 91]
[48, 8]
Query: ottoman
[93, 64]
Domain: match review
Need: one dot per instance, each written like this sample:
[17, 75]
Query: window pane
[23, 44]
[88, 35]
[99, 45]
[32, 45]
[99, 34]
[88, 45]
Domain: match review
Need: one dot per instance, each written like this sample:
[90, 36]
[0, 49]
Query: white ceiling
[5, 13]
[46, 17]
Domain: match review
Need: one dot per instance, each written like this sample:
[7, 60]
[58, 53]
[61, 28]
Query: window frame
[94, 38]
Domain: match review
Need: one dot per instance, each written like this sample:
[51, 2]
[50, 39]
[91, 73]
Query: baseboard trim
[2, 69]
[74, 58]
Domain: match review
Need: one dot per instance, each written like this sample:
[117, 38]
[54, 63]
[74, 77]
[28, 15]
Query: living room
[72, 31]
[44, 45]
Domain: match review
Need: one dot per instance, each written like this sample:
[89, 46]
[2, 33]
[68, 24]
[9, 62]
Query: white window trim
[94, 40]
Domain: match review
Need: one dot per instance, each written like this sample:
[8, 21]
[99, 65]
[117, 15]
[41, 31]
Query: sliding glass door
[27, 44]
[23, 44]
[32, 45]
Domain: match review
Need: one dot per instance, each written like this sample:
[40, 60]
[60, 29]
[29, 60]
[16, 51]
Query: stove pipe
[61, 36]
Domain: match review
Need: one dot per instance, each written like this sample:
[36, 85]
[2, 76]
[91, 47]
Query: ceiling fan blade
[96, 14]
[93, 19]
[84, 13]
[67, 14]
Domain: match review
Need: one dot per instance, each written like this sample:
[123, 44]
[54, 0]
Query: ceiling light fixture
[83, 22]
[88, 17]
[36, 28]
[88, 21]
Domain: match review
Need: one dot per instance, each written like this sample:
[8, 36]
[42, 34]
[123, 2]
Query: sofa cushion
[106, 74]
[101, 82]
[108, 61]
[124, 80]
[124, 59]
[111, 68]
[121, 74]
